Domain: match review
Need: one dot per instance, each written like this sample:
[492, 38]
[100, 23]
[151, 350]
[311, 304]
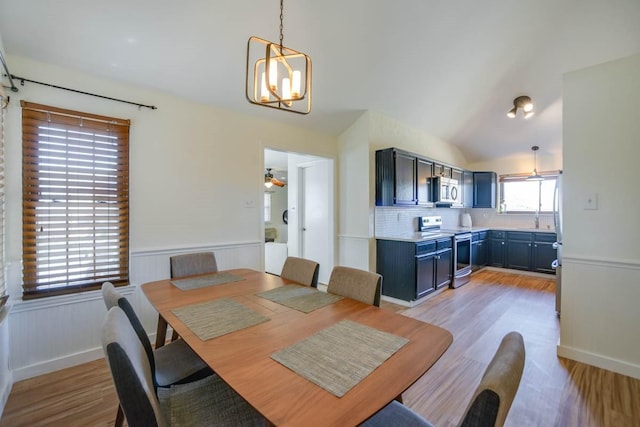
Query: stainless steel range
[461, 247]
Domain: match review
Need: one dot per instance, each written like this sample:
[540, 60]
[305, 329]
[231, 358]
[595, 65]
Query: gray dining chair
[195, 263]
[301, 271]
[491, 401]
[208, 401]
[171, 364]
[356, 284]
[180, 266]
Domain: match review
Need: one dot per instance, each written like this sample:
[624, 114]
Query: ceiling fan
[270, 180]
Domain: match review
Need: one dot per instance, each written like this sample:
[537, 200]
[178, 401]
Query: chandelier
[277, 76]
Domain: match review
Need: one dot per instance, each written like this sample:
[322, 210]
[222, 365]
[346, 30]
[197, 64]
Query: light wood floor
[553, 391]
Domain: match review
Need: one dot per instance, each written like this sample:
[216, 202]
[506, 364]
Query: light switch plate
[591, 201]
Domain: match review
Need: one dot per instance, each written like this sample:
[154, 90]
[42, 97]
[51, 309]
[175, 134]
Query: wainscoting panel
[355, 251]
[58, 332]
[599, 314]
[5, 374]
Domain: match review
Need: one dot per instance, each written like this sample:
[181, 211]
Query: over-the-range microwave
[445, 190]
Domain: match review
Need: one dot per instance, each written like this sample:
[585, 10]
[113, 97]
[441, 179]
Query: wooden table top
[242, 358]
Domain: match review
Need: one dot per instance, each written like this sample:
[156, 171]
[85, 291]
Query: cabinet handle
[502, 243]
[529, 244]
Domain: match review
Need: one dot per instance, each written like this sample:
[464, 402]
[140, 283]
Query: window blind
[75, 208]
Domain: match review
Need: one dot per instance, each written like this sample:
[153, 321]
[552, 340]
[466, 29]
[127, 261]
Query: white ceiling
[449, 68]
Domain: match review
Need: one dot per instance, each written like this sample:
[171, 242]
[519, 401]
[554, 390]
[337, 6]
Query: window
[267, 207]
[75, 205]
[520, 195]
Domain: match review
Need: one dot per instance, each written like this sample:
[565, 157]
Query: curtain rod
[23, 79]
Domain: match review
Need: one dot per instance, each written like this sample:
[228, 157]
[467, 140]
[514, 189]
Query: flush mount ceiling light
[266, 63]
[524, 103]
[535, 176]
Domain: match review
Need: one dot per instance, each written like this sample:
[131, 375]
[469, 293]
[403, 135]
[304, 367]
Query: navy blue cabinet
[484, 189]
[396, 178]
[412, 270]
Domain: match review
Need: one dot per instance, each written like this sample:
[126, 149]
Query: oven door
[462, 260]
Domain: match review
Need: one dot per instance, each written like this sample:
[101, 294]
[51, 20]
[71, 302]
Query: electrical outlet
[591, 201]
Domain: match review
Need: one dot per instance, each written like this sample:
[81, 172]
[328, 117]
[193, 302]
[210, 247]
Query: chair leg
[119, 417]
[161, 333]
[174, 336]
[399, 398]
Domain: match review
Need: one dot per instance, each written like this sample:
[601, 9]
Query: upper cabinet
[396, 178]
[406, 179]
[484, 189]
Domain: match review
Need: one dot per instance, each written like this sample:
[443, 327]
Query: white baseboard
[69, 361]
[614, 365]
[5, 391]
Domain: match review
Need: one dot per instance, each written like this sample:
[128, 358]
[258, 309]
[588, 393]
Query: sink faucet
[537, 221]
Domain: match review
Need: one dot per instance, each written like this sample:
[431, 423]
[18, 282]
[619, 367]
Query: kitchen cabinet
[479, 250]
[395, 178]
[443, 263]
[498, 248]
[412, 270]
[543, 252]
[523, 250]
[442, 170]
[424, 189]
[519, 250]
[467, 189]
[484, 189]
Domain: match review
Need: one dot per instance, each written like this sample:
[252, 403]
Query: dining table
[332, 362]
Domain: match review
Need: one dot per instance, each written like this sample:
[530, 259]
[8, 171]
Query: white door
[315, 232]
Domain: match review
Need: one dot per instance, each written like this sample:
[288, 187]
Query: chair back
[196, 263]
[356, 284]
[301, 271]
[130, 370]
[497, 389]
[113, 298]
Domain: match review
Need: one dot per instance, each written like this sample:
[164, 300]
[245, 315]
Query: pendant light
[277, 76]
[535, 176]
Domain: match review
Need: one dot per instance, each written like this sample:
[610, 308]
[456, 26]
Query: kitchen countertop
[419, 236]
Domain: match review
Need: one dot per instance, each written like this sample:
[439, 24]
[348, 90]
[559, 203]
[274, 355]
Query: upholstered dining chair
[300, 270]
[195, 263]
[208, 401]
[491, 401]
[356, 284]
[171, 364]
[180, 266]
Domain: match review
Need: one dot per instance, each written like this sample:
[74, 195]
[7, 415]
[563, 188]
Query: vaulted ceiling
[448, 68]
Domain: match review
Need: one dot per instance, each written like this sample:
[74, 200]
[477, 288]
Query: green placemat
[301, 298]
[339, 357]
[212, 319]
[204, 281]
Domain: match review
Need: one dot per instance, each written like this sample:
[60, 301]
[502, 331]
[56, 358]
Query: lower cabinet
[412, 270]
[522, 250]
[479, 250]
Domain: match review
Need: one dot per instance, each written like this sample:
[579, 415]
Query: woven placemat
[204, 281]
[301, 298]
[339, 357]
[212, 319]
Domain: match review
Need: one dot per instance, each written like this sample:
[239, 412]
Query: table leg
[161, 333]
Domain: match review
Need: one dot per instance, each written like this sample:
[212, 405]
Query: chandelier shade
[277, 76]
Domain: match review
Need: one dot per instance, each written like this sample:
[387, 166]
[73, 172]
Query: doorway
[299, 216]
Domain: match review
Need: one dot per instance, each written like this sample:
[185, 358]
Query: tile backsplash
[394, 221]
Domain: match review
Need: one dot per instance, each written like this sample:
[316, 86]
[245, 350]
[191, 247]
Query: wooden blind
[75, 206]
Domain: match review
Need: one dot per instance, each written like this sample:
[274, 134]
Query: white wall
[196, 183]
[600, 321]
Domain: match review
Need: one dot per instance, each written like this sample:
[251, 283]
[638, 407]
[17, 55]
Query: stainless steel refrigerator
[557, 222]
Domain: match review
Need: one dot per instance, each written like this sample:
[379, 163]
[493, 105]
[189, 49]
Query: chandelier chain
[281, 19]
